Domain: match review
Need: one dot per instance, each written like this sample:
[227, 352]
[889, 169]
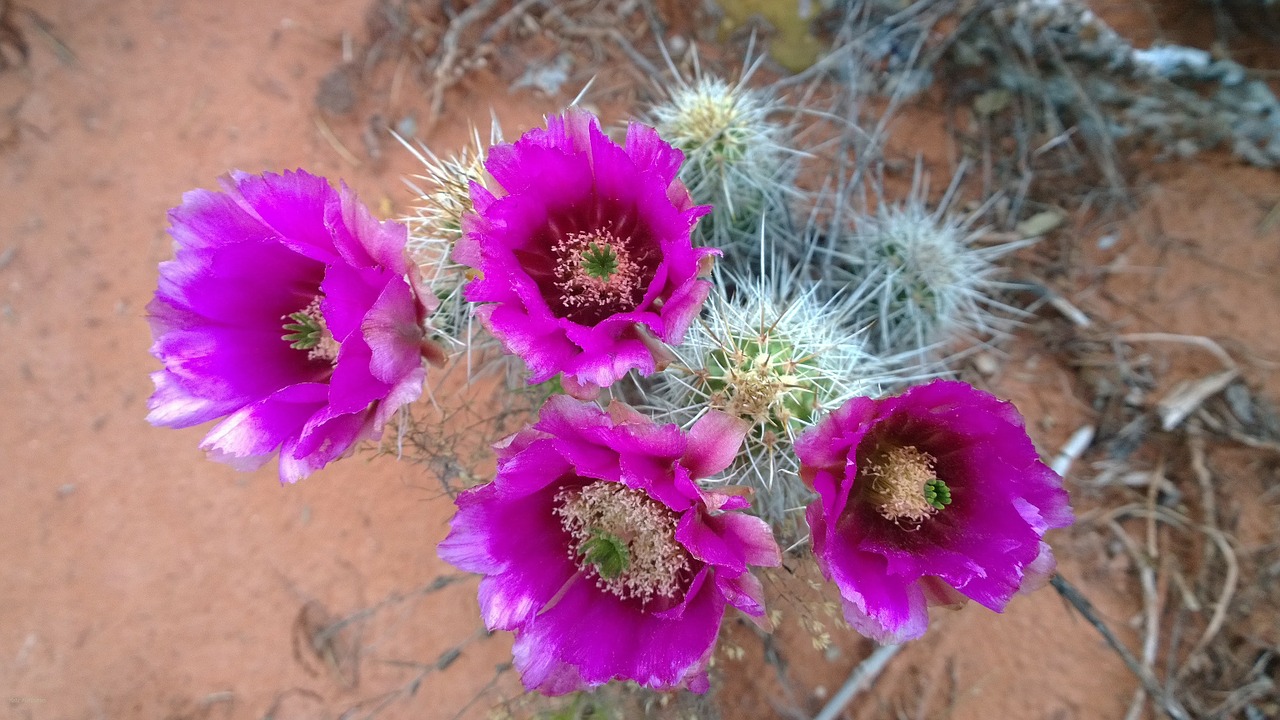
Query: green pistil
[607, 553]
[937, 494]
[600, 261]
[304, 333]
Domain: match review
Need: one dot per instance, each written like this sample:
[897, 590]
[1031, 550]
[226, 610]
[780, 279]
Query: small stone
[407, 126]
[986, 364]
[336, 95]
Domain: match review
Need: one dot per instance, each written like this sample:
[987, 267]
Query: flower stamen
[596, 270]
[625, 538]
[904, 487]
[309, 332]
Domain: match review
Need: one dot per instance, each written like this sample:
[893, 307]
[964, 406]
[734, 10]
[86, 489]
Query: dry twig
[860, 679]
[1168, 704]
[444, 75]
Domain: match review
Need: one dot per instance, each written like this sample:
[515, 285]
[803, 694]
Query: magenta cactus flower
[602, 553]
[925, 498]
[584, 262]
[290, 312]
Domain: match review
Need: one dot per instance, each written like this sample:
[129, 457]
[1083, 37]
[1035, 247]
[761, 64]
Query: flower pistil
[308, 331]
[608, 553]
[937, 494]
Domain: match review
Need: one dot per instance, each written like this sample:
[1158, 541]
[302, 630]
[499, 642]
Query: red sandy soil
[140, 580]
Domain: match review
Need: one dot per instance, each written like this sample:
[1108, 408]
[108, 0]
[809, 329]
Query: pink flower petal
[568, 181]
[714, 441]
[574, 632]
[248, 261]
[985, 545]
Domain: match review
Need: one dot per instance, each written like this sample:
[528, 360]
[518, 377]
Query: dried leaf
[1041, 223]
[1187, 396]
[992, 101]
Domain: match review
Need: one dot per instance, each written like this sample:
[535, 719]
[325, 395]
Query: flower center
[600, 262]
[904, 486]
[307, 331]
[625, 538]
[596, 270]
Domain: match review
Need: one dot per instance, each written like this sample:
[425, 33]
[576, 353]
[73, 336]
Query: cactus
[918, 277]
[737, 157]
[436, 225]
[778, 359]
